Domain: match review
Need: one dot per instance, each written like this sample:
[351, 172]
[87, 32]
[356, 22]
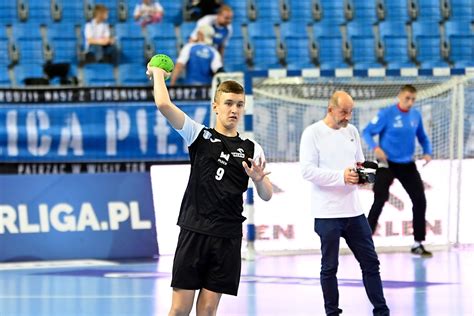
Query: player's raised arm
[162, 98]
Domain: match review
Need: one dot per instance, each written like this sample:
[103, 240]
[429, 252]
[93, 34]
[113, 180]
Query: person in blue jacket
[398, 126]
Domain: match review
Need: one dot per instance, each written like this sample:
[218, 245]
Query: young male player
[207, 257]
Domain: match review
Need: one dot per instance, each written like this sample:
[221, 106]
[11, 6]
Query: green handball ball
[162, 61]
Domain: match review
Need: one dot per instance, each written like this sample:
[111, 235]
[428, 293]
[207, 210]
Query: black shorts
[203, 261]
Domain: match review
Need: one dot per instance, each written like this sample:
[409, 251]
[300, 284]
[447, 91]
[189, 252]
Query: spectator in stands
[148, 12]
[200, 8]
[200, 59]
[100, 45]
[221, 23]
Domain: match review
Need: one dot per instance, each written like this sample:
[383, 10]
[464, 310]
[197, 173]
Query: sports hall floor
[282, 285]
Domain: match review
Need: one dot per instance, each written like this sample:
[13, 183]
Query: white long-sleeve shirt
[96, 31]
[324, 155]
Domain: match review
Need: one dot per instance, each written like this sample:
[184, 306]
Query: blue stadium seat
[300, 51]
[395, 10]
[39, 11]
[263, 41]
[4, 55]
[234, 58]
[459, 37]
[130, 6]
[63, 40]
[99, 75]
[330, 45]
[360, 28]
[268, 10]
[4, 77]
[132, 75]
[330, 53]
[163, 39]
[163, 29]
[128, 29]
[234, 55]
[28, 42]
[394, 40]
[74, 11]
[462, 10]
[4, 48]
[301, 10]
[364, 10]
[185, 30]
[427, 41]
[361, 40]
[429, 10]
[8, 12]
[364, 53]
[240, 11]
[26, 70]
[130, 42]
[173, 11]
[237, 29]
[333, 11]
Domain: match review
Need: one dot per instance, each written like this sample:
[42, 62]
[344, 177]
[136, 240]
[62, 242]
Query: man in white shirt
[330, 150]
[99, 42]
[222, 25]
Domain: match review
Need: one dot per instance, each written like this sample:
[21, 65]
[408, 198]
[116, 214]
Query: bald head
[339, 98]
[339, 110]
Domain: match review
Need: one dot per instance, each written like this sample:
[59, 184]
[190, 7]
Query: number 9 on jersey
[219, 173]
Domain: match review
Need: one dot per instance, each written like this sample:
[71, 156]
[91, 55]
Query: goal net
[284, 107]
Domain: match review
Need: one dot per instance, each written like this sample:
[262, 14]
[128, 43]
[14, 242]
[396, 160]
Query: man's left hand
[257, 170]
[427, 159]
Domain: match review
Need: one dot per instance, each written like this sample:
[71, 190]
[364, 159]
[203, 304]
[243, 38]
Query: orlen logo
[63, 217]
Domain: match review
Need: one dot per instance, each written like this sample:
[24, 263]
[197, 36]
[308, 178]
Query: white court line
[42, 297]
[55, 264]
[137, 275]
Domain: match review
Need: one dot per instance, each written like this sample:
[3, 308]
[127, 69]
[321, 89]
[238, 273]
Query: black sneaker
[421, 251]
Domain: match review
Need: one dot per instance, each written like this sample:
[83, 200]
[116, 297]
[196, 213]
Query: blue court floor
[283, 285]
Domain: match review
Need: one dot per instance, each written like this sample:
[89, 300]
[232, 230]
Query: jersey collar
[402, 110]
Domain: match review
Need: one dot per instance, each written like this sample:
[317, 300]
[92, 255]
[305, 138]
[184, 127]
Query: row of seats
[90, 74]
[391, 41]
[77, 11]
[59, 43]
[276, 11]
[260, 45]
[371, 10]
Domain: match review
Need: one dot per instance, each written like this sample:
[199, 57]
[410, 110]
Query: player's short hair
[408, 87]
[99, 8]
[228, 86]
[223, 8]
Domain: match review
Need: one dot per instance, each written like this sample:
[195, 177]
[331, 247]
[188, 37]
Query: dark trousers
[411, 181]
[356, 232]
[99, 53]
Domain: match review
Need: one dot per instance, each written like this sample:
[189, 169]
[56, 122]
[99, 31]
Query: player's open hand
[152, 71]
[257, 170]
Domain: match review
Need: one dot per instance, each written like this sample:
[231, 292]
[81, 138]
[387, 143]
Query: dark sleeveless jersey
[213, 202]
